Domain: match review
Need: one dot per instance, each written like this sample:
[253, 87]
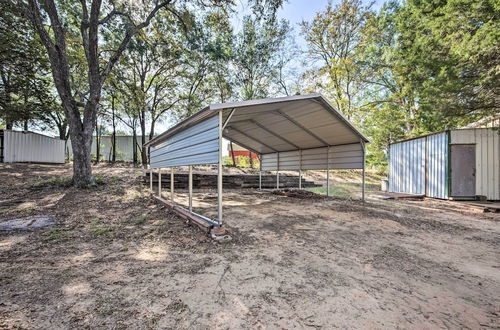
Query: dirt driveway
[115, 259]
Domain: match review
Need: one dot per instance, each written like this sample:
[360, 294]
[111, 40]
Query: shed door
[463, 170]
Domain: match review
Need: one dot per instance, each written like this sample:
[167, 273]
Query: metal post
[300, 169]
[151, 179]
[278, 172]
[328, 171]
[219, 173]
[159, 182]
[172, 184]
[328, 182]
[363, 184]
[260, 180]
[190, 188]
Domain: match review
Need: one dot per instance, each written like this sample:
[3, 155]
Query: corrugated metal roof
[278, 124]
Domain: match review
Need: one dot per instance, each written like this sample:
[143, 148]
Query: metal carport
[302, 132]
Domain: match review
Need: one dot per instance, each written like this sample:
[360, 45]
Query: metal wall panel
[32, 147]
[487, 143]
[340, 157]
[437, 165]
[124, 148]
[196, 145]
[407, 167]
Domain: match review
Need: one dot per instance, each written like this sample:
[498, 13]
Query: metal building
[30, 147]
[301, 132]
[124, 147]
[458, 164]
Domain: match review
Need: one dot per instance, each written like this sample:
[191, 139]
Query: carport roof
[277, 124]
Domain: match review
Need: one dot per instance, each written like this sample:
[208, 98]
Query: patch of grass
[97, 230]
[345, 189]
[99, 179]
[106, 307]
[115, 179]
[140, 219]
[60, 181]
[54, 234]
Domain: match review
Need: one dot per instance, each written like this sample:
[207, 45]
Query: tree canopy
[408, 68]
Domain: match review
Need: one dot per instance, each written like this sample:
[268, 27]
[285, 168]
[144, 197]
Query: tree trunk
[232, 153]
[151, 136]
[144, 157]
[26, 124]
[251, 160]
[134, 146]
[63, 134]
[81, 142]
[97, 144]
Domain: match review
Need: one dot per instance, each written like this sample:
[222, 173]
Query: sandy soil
[116, 260]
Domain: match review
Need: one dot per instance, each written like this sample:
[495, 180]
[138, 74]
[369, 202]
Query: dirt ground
[115, 259]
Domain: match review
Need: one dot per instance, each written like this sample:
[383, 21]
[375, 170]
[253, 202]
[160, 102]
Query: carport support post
[278, 172]
[172, 184]
[219, 173]
[190, 188]
[151, 179]
[260, 180]
[300, 169]
[328, 171]
[363, 183]
[159, 182]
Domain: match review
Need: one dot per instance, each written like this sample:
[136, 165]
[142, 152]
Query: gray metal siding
[124, 147]
[407, 167]
[437, 164]
[32, 147]
[196, 145]
[340, 157]
[420, 164]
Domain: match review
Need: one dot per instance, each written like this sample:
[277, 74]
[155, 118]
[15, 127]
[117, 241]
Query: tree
[206, 75]
[58, 23]
[255, 56]
[147, 74]
[388, 108]
[25, 90]
[98, 61]
[452, 50]
[333, 37]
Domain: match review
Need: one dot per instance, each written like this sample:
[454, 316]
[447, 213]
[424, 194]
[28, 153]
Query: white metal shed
[30, 147]
[302, 132]
[459, 164]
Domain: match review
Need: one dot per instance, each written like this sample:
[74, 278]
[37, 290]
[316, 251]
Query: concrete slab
[26, 223]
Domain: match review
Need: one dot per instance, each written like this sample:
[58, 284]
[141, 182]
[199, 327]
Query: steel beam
[190, 188]
[228, 118]
[172, 184]
[299, 125]
[219, 173]
[363, 183]
[278, 172]
[272, 133]
[328, 171]
[300, 169]
[159, 182]
[252, 138]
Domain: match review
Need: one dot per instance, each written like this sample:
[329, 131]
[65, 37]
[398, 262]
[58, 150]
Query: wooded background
[95, 67]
